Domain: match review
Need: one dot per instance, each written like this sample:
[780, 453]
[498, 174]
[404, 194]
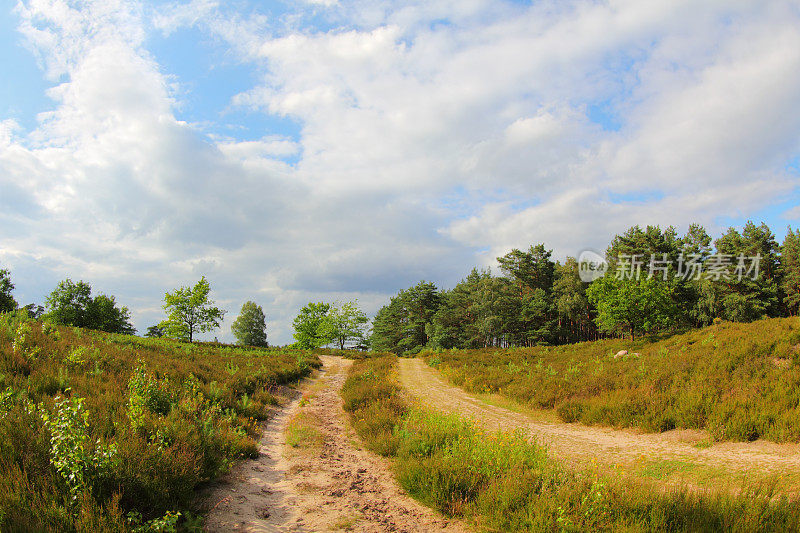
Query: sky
[330, 150]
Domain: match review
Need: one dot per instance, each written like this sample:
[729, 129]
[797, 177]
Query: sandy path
[630, 449]
[333, 486]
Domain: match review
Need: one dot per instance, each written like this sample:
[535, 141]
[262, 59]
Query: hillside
[102, 432]
[740, 382]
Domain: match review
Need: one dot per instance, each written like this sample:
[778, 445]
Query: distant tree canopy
[33, 311]
[190, 311]
[250, 327]
[71, 304]
[319, 324]
[312, 329]
[348, 324]
[403, 325]
[541, 301]
[7, 302]
[154, 332]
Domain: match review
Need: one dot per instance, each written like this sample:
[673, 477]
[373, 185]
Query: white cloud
[427, 131]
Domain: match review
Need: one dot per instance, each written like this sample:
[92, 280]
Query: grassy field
[104, 432]
[502, 482]
[741, 382]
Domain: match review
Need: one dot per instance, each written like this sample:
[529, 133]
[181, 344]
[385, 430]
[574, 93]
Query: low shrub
[102, 432]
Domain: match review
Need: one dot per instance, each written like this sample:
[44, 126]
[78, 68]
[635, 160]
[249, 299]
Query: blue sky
[333, 150]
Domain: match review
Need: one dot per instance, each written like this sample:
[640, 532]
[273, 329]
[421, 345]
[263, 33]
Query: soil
[331, 485]
[687, 457]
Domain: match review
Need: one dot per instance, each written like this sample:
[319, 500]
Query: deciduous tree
[312, 326]
[71, 304]
[189, 311]
[348, 324]
[633, 306]
[7, 302]
[250, 328]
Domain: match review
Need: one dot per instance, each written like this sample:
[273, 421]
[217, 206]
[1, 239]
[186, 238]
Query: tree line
[190, 310]
[539, 301]
[535, 301]
[320, 324]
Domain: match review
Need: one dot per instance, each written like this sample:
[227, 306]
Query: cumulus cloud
[432, 136]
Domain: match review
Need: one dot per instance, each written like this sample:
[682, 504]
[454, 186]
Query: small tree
[7, 302]
[103, 314]
[312, 327]
[250, 328]
[348, 323]
[190, 311]
[635, 306]
[154, 332]
[71, 304]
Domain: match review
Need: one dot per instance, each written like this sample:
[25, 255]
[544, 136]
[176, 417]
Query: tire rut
[336, 486]
[631, 450]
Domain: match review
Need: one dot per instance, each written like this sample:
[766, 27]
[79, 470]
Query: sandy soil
[333, 486]
[676, 455]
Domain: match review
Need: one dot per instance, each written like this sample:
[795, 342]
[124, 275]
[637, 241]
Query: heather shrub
[103, 432]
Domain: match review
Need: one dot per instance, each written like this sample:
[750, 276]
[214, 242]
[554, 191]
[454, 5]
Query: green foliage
[539, 301]
[154, 332]
[190, 311]
[99, 429]
[23, 343]
[7, 302]
[71, 304]
[348, 324]
[249, 328]
[79, 462]
[632, 306]
[790, 263]
[147, 395]
[403, 325]
[312, 326]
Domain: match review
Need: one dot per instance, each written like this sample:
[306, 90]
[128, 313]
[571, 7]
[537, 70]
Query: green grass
[302, 432]
[740, 382]
[664, 468]
[502, 482]
[103, 432]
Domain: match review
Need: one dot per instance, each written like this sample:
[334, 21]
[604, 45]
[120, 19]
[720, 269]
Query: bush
[571, 410]
[103, 432]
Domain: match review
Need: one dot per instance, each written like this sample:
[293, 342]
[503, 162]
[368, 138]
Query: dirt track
[333, 486]
[674, 455]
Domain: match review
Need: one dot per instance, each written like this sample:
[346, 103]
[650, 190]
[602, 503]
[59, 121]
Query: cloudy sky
[331, 150]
